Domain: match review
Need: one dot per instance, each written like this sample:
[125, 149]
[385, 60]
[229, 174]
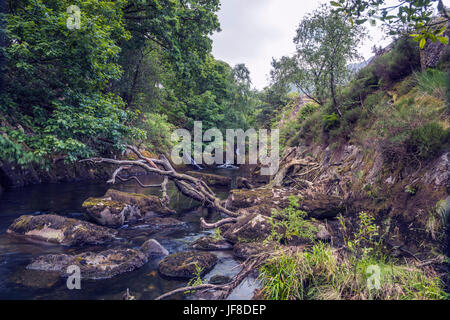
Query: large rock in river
[60, 230]
[211, 179]
[183, 265]
[149, 205]
[110, 213]
[101, 265]
[211, 244]
[249, 228]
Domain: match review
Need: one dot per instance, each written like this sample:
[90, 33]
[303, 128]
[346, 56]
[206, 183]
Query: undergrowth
[361, 272]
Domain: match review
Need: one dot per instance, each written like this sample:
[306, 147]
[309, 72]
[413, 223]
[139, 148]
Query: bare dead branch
[187, 289]
[249, 266]
[190, 186]
[217, 224]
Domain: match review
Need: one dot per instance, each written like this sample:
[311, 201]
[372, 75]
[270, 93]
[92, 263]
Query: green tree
[326, 42]
[55, 102]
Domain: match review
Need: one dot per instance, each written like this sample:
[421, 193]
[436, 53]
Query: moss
[97, 202]
[22, 222]
[184, 265]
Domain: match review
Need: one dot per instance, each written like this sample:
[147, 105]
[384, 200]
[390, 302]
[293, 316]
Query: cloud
[255, 31]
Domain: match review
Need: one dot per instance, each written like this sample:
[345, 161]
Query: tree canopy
[127, 66]
[325, 42]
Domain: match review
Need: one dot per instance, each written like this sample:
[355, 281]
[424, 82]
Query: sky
[255, 31]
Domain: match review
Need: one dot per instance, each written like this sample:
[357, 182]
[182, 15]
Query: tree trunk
[423, 60]
[333, 93]
[3, 10]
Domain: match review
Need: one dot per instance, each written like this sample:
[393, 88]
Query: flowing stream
[66, 199]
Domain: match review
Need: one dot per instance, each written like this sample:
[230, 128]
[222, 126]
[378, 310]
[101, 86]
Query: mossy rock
[211, 244]
[211, 179]
[184, 265]
[146, 203]
[109, 212]
[248, 198]
[35, 279]
[60, 230]
[322, 206]
[102, 265]
[249, 228]
[99, 265]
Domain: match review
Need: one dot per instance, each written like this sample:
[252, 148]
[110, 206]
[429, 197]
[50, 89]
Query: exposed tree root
[222, 222]
[250, 265]
[277, 181]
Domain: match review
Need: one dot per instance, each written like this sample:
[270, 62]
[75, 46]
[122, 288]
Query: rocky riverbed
[119, 238]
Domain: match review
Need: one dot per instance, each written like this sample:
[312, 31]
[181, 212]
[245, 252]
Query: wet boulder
[34, 278]
[211, 179]
[60, 230]
[249, 228]
[110, 213]
[321, 206]
[184, 265]
[153, 248]
[99, 265]
[317, 205]
[219, 279]
[148, 205]
[211, 244]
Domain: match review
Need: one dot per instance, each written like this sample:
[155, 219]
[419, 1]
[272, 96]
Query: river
[66, 199]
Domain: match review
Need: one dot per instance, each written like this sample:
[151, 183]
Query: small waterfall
[227, 164]
[192, 161]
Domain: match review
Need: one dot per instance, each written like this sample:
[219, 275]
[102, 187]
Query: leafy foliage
[132, 72]
[290, 222]
[321, 273]
[325, 44]
[56, 78]
[398, 16]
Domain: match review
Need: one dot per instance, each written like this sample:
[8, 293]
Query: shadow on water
[66, 199]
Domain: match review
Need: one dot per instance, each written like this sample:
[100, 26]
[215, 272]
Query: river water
[66, 199]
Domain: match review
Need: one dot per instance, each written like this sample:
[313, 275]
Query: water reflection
[66, 199]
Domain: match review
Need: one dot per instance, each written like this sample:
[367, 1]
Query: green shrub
[399, 62]
[433, 82]
[321, 273]
[312, 128]
[290, 222]
[158, 132]
[427, 140]
[307, 110]
[330, 121]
